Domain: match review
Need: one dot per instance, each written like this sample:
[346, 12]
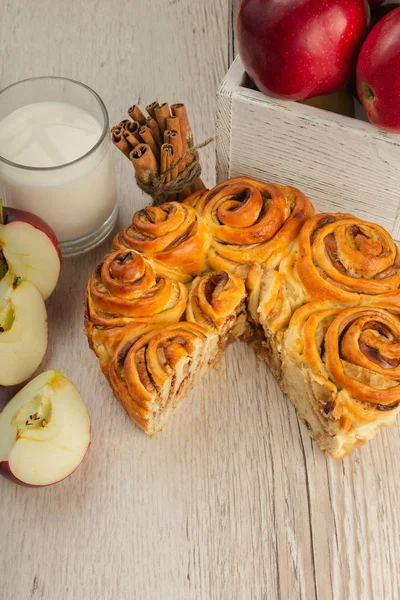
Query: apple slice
[30, 249]
[44, 431]
[23, 330]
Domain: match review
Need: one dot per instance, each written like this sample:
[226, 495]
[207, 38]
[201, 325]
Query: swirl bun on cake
[172, 236]
[341, 370]
[151, 374]
[216, 300]
[341, 257]
[251, 221]
[125, 289]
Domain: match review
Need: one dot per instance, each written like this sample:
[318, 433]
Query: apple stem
[369, 92]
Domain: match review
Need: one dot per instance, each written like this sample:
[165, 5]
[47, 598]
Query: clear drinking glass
[77, 198]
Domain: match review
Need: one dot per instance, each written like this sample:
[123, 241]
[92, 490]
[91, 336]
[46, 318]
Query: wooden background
[232, 501]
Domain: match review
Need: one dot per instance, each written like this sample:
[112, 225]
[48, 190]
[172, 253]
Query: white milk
[75, 199]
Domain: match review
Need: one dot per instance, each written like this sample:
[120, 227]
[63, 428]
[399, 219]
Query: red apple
[44, 431]
[298, 49]
[23, 330]
[30, 249]
[378, 73]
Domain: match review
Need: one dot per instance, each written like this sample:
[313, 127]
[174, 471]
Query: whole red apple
[297, 49]
[378, 73]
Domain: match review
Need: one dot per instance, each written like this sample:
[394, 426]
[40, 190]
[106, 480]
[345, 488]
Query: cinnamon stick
[119, 139]
[132, 132]
[166, 161]
[151, 108]
[147, 138]
[174, 124]
[144, 162]
[173, 138]
[136, 114]
[179, 110]
[155, 130]
[161, 113]
[123, 123]
[167, 158]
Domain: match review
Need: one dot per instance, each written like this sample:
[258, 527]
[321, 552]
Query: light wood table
[232, 501]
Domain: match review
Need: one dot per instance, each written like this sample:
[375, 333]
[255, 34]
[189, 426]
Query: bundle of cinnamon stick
[161, 150]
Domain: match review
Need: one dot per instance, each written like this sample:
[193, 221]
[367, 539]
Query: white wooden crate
[342, 164]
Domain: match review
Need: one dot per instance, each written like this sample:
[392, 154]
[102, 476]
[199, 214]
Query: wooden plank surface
[232, 501]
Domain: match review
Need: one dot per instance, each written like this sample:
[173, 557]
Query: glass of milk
[56, 159]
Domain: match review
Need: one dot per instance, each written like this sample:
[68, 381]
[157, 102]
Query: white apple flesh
[44, 431]
[23, 330]
[31, 255]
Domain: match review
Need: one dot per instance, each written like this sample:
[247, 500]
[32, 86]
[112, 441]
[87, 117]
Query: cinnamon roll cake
[317, 296]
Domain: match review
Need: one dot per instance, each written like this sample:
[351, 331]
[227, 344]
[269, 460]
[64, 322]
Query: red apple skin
[302, 48]
[376, 15]
[7, 473]
[14, 214]
[378, 73]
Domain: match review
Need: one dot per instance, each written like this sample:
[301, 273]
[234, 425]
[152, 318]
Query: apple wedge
[30, 249]
[23, 330]
[44, 431]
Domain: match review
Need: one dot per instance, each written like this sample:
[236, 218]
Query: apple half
[29, 248]
[44, 431]
[23, 329]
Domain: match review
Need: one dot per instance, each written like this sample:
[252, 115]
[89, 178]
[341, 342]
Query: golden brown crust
[251, 221]
[125, 290]
[349, 361]
[125, 287]
[215, 300]
[146, 373]
[343, 258]
[173, 236]
[337, 258]
[194, 198]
